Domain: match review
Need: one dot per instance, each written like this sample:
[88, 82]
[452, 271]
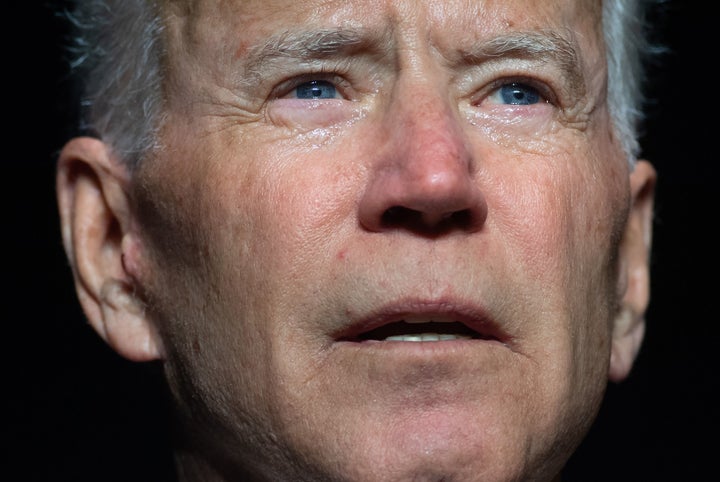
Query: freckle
[241, 50]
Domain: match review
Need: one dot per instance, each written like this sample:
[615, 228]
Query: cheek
[532, 216]
[558, 219]
[207, 283]
[251, 238]
[557, 212]
[305, 211]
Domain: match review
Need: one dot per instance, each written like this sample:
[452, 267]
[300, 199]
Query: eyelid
[286, 87]
[545, 90]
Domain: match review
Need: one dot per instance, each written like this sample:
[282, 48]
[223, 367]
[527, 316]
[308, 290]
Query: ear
[629, 326]
[95, 226]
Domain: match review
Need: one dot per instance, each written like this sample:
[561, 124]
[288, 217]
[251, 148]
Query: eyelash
[545, 91]
[335, 76]
[339, 78]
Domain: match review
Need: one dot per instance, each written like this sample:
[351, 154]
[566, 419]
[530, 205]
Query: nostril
[428, 223]
[397, 215]
[463, 219]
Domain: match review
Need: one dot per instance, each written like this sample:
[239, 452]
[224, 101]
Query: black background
[77, 412]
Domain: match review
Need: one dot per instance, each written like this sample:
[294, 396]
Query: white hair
[628, 48]
[118, 55]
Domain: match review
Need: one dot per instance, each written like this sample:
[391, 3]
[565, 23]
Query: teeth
[427, 337]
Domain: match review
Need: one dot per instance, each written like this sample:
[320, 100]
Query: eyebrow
[304, 45]
[308, 45]
[541, 46]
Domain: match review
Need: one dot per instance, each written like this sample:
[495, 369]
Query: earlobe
[634, 266]
[96, 228]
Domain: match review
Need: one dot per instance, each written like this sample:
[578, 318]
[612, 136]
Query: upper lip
[471, 315]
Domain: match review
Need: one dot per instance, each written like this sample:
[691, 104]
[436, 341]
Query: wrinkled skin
[268, 233]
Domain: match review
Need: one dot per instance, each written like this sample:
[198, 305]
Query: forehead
[441, 21]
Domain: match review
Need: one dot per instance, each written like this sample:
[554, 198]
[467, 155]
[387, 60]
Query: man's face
[338, 180]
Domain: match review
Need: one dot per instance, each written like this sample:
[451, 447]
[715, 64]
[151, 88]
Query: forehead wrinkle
[543, 46]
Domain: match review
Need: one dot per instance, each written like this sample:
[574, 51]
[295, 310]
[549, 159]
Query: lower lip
[422, 347]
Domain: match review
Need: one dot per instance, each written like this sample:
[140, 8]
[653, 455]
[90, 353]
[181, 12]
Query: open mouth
[427, 331]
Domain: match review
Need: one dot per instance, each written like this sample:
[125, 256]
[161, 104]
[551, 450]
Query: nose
[423, 179]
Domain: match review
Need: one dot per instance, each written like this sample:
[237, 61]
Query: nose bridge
[428, 143]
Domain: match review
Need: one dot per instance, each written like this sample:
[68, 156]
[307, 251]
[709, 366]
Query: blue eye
[519, 94]
[316, 89]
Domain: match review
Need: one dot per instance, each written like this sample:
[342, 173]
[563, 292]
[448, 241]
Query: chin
[455, 444]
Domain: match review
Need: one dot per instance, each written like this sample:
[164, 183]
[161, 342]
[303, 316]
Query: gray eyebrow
[309, 45]
[544, 46]
[304, 45]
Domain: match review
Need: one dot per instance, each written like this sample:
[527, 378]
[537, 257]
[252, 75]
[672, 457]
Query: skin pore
[335, 173]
